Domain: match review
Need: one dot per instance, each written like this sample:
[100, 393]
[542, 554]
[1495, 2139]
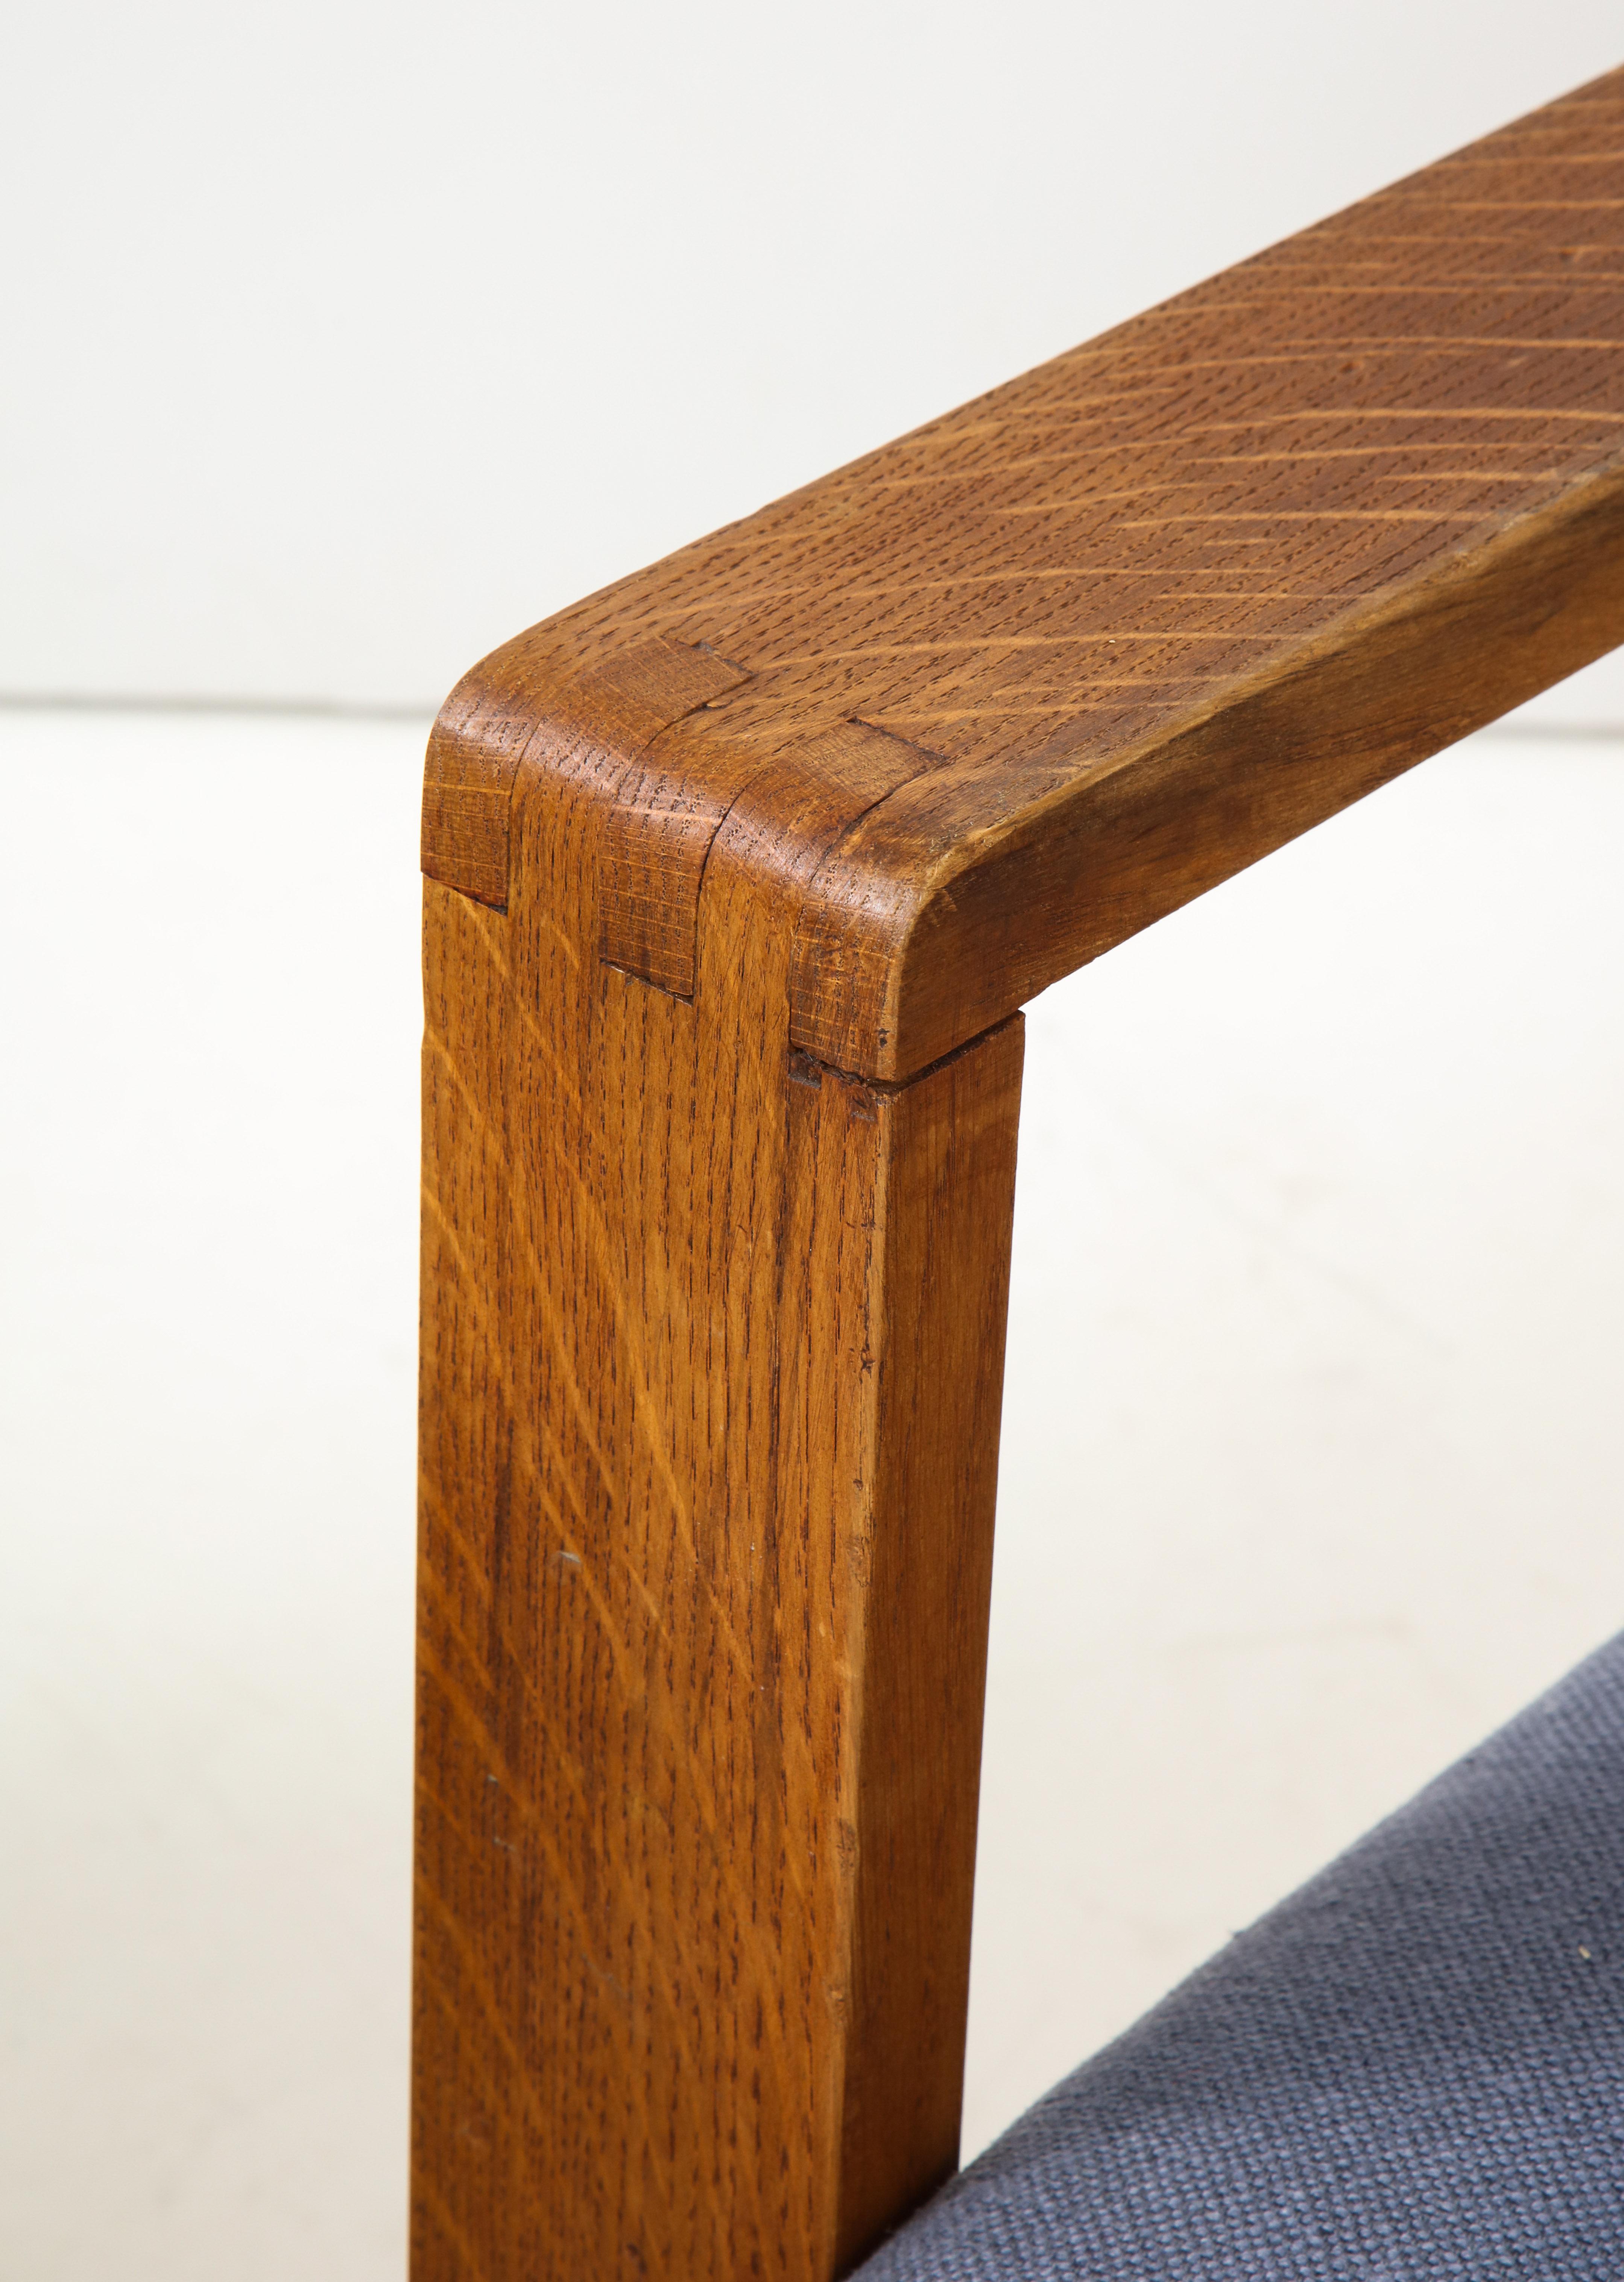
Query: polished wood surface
[1139, 616]
[738, 874]
[713, 1344]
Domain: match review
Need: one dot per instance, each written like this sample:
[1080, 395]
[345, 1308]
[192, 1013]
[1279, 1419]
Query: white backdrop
[346, 342]
[347, 339]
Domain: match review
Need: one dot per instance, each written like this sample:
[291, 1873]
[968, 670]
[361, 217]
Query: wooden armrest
[738, 874]
[1006, 691]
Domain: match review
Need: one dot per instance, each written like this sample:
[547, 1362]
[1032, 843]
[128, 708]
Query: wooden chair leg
[712, 1359]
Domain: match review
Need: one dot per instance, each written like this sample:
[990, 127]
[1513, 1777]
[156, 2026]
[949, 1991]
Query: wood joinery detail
[612, 707]
[1149, 610]
[712, 1363]
[738, 875]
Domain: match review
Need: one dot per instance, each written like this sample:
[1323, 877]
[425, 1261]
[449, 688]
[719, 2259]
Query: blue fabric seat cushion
[1410, 2071]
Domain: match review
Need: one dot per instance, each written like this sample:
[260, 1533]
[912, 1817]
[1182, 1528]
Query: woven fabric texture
[1410, 2071]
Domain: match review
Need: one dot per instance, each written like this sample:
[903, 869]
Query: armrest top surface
[1052, 663]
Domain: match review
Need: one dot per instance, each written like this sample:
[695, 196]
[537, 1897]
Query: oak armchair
[737, 877]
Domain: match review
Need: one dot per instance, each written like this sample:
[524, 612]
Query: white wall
[346, 339]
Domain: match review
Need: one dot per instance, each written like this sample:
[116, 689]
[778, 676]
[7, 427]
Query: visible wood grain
[950, 1141]
[630, 695]
[922, 932]
[736, 875]
[1153, 607]
[712, 1359]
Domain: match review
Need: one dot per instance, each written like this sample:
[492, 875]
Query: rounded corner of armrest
[557, 699]
[882, 984]
[496, 715]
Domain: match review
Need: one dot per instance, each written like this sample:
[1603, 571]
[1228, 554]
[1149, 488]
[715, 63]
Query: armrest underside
[994, 697]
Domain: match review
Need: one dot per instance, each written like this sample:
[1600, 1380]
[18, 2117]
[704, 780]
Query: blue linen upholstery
[1410, 2071]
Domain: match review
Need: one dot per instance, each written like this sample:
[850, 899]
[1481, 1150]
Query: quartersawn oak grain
[1147, 611]
[736, 875]
[628, 696]
[712, 1355]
